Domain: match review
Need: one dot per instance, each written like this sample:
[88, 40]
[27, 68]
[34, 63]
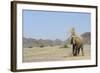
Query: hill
[31, 42]
[86, 37]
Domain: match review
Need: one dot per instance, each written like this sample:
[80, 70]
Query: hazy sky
[54, 25]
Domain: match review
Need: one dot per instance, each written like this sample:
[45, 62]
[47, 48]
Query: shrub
[30, 47]
[41, 46]
[66, 46]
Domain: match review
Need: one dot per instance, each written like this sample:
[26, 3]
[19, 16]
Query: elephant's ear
[72, 40]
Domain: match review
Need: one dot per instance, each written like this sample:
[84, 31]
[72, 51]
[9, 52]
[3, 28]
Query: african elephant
[77, 45]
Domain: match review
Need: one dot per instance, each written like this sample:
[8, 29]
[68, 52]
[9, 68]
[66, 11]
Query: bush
[41, 46]
[66, 46]
[30, 47]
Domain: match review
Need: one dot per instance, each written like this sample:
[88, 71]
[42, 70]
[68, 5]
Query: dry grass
[56, 53]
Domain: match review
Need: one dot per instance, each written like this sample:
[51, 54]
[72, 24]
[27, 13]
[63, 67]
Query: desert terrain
[54, 53]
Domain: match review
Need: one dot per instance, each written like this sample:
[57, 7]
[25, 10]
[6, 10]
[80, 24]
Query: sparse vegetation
[41, 46]
[30, 47]
[66, 46]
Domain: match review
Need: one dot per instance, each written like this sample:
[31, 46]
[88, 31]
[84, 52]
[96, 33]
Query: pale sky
[54, 25]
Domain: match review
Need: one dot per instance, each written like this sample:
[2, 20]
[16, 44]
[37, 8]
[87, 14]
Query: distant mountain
[86, 37]
[30, 42]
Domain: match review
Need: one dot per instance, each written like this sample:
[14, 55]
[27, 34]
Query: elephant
[77, 44]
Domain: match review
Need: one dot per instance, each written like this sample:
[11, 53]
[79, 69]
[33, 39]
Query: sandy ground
[56, 53]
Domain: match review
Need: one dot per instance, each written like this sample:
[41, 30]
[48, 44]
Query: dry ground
[56, 53]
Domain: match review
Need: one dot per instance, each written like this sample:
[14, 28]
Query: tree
[73, 32]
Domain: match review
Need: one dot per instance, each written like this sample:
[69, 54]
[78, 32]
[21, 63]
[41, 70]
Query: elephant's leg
[78, 51]
[73, 50]
[82, 51]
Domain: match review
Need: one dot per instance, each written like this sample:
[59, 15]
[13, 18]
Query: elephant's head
[73, 40]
